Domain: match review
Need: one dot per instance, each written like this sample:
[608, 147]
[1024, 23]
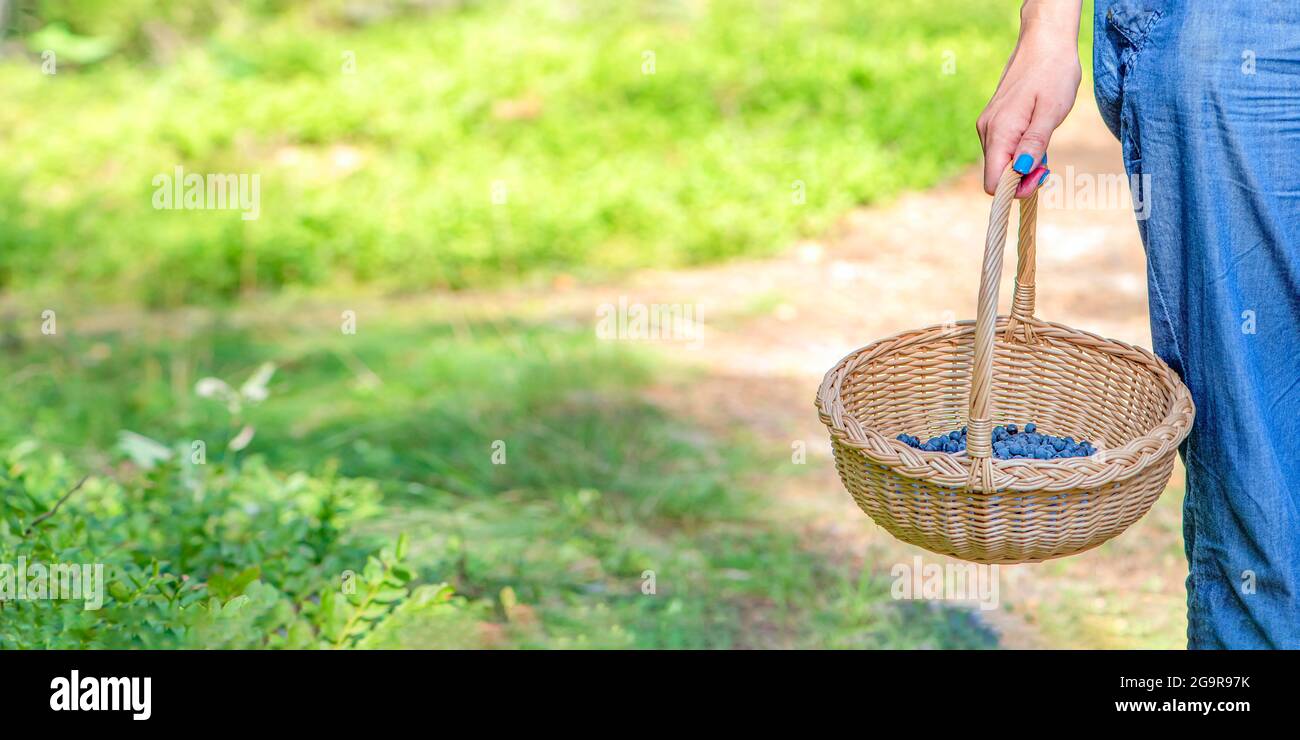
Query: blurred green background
[379, 130]
[418, 161]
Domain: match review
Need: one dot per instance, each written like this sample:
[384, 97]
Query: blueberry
[1009, 442]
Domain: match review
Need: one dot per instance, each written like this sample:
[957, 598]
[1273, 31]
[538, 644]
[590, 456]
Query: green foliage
[199, 556]
[761, 120]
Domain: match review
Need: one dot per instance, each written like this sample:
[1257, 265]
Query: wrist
[1049, 38]
[1050, 21]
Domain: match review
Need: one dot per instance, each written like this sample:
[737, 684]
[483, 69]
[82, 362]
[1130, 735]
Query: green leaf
[144, 452]
[388, 595]
[119, 592]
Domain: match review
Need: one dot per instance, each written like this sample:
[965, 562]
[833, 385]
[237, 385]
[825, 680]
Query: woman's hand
[1035, 94]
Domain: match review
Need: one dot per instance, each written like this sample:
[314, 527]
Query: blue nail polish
[1044, 162]
[1024, 163]
[1044, 177]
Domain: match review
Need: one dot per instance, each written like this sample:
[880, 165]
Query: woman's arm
[1035, 94]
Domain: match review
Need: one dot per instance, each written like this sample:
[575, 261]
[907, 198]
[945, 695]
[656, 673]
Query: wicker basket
[926, 382]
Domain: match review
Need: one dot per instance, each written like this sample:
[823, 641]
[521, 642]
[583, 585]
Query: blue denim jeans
[1205, 99]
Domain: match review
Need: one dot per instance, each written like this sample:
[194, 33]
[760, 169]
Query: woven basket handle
[979, 439]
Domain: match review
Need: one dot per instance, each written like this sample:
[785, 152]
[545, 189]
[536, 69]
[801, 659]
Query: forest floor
[774, 326]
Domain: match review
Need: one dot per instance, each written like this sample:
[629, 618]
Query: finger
[1031, 182]
[1031, 150]
[997, 153]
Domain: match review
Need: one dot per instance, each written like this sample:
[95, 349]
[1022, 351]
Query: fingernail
[1044, 177]
[1044, 162]
[1024, 163]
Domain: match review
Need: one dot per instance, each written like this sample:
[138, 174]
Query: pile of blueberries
[1009, 442]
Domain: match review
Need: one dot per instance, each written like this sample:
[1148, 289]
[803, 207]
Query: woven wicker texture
[1000, 370]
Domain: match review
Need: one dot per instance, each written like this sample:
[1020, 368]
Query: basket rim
[1018, 475]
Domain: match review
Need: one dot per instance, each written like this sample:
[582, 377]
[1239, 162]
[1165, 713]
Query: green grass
[386, 176]
[1085, 613]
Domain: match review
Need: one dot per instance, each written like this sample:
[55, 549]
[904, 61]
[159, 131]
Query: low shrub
[200, 556]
